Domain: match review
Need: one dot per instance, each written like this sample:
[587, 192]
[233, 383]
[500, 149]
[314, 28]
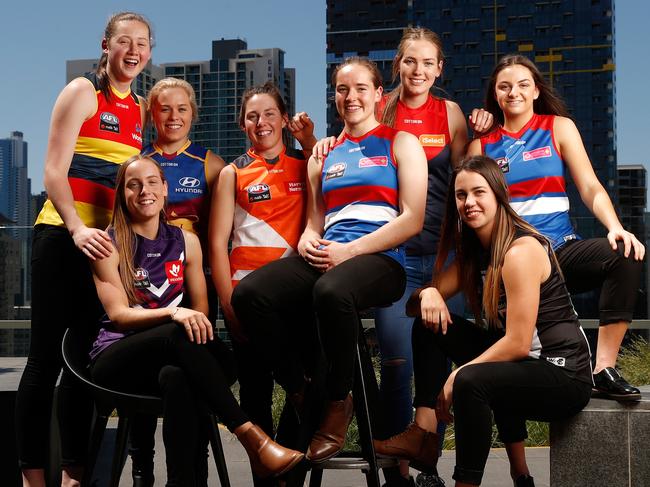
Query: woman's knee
[330, 294]
[468, 382]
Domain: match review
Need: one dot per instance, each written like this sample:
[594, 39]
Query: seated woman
[363, 202]
[151, 345]
[525, 358]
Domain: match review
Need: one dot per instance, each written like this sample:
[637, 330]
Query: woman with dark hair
[535, 144]
[149, 343]
[259, 206]
[364, 200]
[526, 357]
[96, 125]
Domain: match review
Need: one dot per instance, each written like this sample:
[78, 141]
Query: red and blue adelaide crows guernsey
[107, 139]
[535, 173]
[360, 187]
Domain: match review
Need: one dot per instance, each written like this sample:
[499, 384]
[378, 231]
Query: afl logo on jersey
[335, 171]
[504, 164]
[141, 278]
[109, 122]
[258, 192]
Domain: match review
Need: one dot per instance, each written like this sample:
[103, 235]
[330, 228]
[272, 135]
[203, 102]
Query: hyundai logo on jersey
[189, 182]
[258, 192]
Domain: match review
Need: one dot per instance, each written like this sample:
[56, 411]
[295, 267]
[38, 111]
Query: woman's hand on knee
[196, 324]
[630, 243]
[433, 309]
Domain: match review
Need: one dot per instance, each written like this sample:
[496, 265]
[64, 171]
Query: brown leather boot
[267, 457]
[329, 438]
[414, 443]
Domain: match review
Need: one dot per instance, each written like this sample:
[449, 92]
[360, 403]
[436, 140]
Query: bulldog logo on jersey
[174, 271]
[141, 278]
[504, 164]
[335, 171]
[109, 122]
[258, 192]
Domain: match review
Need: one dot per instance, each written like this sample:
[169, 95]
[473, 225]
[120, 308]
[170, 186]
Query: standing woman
[96, 125]
[364, 200]
[535, 143]
[260, 204]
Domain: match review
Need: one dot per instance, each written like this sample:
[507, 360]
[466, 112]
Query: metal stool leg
[315, 477]
[217, 453]
[97, 434]
[120, 449]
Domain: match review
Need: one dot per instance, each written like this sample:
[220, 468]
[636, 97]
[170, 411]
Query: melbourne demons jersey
[360, 187]
[110, 137]
[270, 200]
[430, 125]
[188, 200]
[535, 173]
[159, 281]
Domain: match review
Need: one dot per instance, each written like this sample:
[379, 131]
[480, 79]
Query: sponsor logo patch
[174, 271]
[141, 278]
[189, 182]
[504, 164]
[559, 361]
[258, 192]
[109, 122]
[335, 171]
[432, 140]
[375, 161]
[293, 187]
[537, 153]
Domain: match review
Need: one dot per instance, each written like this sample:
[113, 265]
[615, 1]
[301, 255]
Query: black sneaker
[524, 481]
[429, 480]
[611, 384]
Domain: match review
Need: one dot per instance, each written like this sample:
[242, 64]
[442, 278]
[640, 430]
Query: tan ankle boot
[414, 443]
[330, 437]
[267, 457]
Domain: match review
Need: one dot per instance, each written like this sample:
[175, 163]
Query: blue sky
[37, 38]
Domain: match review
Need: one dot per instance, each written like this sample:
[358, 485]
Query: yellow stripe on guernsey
[105, 149]
[91, 215]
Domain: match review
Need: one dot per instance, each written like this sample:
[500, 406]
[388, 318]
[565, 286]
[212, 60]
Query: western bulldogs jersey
[360, 187]
[188, 201]
[535, 173]
[159, 278]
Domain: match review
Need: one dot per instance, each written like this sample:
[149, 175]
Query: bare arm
[591, 191]
[457, 131]
[429, 302]
[213, 166]
[475, 148]
[309, 244]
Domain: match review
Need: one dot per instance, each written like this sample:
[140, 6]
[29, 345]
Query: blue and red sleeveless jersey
[188, 201]
[360, 187]
[159, 278]
[430, 125]
[535, 173]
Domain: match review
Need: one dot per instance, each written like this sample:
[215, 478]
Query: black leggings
[513, 391]
[283, 286]
[63, 295]
[189, 377]
[588, 264]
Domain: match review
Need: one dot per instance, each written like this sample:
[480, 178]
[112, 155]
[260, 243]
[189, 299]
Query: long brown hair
[109, 31]
[123, 234]
[455, 235]
[410, 34]
[547, 103]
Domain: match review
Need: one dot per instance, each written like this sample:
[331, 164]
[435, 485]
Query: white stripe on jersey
[535, 346]
[361, 212]
[541, 206]
[253, 232]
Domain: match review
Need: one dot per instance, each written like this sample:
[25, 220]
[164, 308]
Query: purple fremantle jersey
[159, 279]
[360, 188]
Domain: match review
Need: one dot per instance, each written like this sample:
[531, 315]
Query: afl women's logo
[141, 278]
[335, 171]
[109, 122]
[189, 182]
[258, 192]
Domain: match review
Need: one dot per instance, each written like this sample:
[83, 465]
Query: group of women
[314, 240]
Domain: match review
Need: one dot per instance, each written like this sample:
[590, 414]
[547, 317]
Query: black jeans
[588, 264]
[288, 285]
[63, 295]
[512, 391]
[190, 378]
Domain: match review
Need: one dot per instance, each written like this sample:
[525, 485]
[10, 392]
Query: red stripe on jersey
[95, 194]
[357, 194]
[534, 187]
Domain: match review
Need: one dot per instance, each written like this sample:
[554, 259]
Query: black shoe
[400, 481]
[611, 384]
[429, 480]
[142, 477]
[524, 481]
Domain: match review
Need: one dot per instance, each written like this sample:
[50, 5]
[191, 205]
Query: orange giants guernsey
[105, 141]
[270, 199]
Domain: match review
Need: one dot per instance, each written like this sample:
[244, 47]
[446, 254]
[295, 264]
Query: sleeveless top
[360, 187]
[188, 201]
[159, 280]
[110, 137]
[270, 202]
[430, 124]
[535, 173]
